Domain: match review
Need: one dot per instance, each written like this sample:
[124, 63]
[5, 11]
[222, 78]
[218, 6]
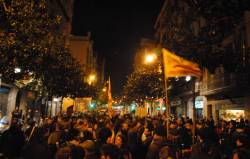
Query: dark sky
[116, 27]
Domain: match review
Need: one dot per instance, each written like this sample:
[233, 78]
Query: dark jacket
[154, 148]
[12, 142]
[37, 151]
[242, 152]
[205, 151]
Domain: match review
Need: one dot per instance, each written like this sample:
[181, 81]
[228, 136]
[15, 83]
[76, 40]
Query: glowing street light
[150, 58]
[188, 78]
[104, 89]
[17, 70]
[91, 79]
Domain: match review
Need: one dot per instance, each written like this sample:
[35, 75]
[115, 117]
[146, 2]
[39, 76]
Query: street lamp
[104, 89]
[17, 70]
[91, 79]
[188, 78]
[150, 58]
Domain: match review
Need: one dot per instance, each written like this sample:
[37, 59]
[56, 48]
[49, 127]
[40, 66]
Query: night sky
[116, 27]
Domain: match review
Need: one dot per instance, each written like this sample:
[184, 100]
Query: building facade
[223, 91]
[81, 48]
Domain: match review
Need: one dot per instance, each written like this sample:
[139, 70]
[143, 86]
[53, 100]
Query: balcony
[221, 82]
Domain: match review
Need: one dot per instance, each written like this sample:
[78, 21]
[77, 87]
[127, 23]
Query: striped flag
[109, 98]
[176, 66]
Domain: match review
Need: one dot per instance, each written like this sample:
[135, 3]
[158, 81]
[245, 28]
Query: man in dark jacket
[37, 147]
[134, 142]
[13, 140]
[242, 151]
[158, 142]
[110, 151]
[205, 148]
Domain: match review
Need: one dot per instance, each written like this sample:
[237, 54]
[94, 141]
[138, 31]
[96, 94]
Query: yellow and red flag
[176, 66]
[109, 98]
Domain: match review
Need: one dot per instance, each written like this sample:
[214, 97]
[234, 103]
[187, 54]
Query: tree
[31, 40]
[145, 83]
[196, 29]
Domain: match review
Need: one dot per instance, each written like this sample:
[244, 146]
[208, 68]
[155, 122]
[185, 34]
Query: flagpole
[166, 103]
[165, 78]
[194, 112]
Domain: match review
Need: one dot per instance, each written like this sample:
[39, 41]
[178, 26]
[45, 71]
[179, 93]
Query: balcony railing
[221, 82]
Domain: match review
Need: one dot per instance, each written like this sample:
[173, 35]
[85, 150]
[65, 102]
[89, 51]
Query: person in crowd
[120, 142]
[124, 129]
[205, 148]
[12, 140]
[166, 153]
[159, 140]
[37, 147]
[90, 149]
[94, 135]
[134, 142]
[110, 151]
[77, 152]
[242, 150]
[104, 136]
[55, 135]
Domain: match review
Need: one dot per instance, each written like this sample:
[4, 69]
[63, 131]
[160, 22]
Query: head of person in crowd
[180, 122]
[240, 127]
[202, 135]
[173, 125]
[95, 126]
[89, 147]
[109, 124]
[72, 135]
[166, 153]
[110, 151]
[104, 135]
[242, 141]
[77, 152]
[232, 124]
[247, 122]
[148, 130]
[120, 141]
[160, 131]
[199, 125]
[85, 124]
[124, 128]
[135, 125]
[86, 135]
[188, 125]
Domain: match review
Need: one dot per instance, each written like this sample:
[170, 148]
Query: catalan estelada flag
[109, 98]
[176, 66]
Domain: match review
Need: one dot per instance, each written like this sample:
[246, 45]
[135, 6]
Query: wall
[3, 103]
[79, 50]
[11, 100]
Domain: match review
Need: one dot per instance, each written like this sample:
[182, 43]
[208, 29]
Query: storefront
[8, 94]
[231, 109]
[177, 107]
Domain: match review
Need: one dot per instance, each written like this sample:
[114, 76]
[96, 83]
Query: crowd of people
[96, 135]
